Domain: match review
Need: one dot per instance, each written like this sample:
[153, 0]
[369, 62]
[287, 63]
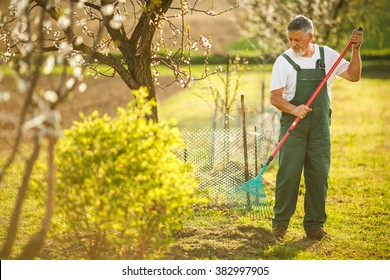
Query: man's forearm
[283, 105]
[355, 65]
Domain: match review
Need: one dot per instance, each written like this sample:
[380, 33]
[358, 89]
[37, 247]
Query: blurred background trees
[264, 22]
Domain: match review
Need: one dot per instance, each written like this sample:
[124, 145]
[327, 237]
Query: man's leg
[291, 159]
[316, 174]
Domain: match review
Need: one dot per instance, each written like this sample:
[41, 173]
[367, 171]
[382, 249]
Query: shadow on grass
[376, 71]
[245, 242]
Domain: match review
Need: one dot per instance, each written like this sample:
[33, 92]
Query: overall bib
[308, 148]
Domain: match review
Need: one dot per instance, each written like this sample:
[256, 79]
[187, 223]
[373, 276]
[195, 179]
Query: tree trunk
[141, 42]
[33, 247]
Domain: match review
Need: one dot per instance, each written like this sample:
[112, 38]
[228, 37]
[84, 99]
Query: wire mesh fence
[217, 156]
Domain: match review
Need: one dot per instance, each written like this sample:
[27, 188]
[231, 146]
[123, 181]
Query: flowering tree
[130, 36]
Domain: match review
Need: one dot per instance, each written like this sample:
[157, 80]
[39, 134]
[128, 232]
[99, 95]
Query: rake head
[251, 195]
[257, 202]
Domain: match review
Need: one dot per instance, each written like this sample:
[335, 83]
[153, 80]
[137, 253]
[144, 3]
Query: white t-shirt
[285, 76]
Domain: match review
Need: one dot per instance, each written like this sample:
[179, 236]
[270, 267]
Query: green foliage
[121, 188]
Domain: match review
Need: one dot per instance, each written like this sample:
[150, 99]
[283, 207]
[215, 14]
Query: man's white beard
[299, 52]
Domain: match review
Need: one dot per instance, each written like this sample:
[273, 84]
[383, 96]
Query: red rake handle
[314, 95]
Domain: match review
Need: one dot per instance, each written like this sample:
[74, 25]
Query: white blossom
[22, 36]
[28, 47]
[81, 3]
[82, 87]
[78, 41]
[23, 67]
[77, 71]
[116, 22]
[205, 42]
[107, 10]
[47, 24]
[65, 48]
[50, 96]
[70, 83]
[20, 5]
[64, 22]
[195, 46]
[76, 60]
[22, 86]
[5, 96]
[49, 65]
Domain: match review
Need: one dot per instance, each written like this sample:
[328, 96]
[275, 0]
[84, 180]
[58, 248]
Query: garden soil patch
[221, 242]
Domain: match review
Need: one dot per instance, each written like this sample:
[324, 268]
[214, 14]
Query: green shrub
[121, 189]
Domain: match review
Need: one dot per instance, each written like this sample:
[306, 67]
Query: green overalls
[307, 148]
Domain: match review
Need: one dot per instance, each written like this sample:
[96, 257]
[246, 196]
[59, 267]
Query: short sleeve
[279, 75]
[332, 55]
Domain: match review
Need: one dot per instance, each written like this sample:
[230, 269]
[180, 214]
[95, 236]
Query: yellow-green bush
[121, 189]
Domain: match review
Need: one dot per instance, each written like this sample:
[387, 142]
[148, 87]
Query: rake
[255, 186]
[253, 199]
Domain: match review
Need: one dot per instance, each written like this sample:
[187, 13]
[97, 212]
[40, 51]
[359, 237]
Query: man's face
[300, 42]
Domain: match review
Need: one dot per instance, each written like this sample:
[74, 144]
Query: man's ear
[310, 37]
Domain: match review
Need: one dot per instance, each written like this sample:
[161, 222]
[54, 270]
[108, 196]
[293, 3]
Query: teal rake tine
[254, 188]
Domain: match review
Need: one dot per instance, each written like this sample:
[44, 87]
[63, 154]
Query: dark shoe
[279, 231]
[318, 235]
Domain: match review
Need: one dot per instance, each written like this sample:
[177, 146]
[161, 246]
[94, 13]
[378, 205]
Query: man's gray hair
[301, 23]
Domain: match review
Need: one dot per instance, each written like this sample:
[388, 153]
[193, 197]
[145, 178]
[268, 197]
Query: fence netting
[217, 156]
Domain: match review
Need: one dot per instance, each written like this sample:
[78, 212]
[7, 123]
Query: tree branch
[88, 4]
[114, 63]
[106, 59]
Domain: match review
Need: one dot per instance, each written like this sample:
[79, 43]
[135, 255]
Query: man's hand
[283, 105]
[356, 38]
[354, 71]
[301, 111]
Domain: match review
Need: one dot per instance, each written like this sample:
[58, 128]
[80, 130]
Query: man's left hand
[356, 39]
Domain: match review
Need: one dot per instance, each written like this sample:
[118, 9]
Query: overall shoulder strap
[321, 61]
[296, 66]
